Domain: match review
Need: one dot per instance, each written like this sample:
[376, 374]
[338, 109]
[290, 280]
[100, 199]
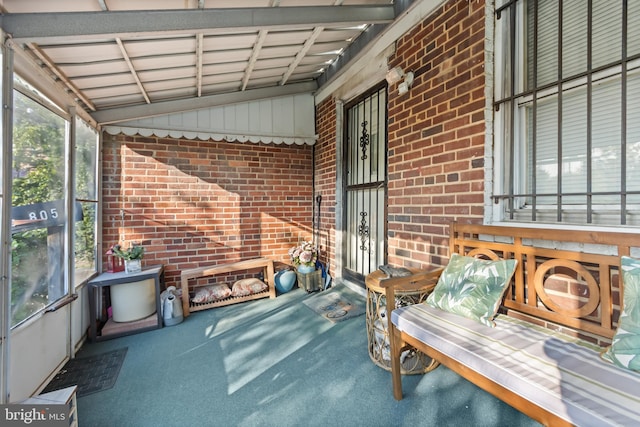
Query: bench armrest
[424, 281]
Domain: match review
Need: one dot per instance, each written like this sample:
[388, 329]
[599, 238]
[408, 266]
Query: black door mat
[91, 374]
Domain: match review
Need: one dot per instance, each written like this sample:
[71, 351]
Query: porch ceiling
[119, 60]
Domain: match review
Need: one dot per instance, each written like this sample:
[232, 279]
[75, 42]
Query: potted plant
[132, 257]
[136, 299]
[305, 258]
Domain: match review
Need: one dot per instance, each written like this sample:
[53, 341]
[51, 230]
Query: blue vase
[304, 269]
[285, 279]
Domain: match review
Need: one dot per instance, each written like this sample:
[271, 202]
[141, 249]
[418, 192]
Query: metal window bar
[559, 171]
[534, 156]
[512, 140]
[514, 96]
[623, 111]
[589, 111]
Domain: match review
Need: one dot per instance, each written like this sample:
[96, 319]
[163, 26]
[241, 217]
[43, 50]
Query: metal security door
[365, 185]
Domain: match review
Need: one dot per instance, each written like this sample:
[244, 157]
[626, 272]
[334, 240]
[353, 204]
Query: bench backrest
[564, 279]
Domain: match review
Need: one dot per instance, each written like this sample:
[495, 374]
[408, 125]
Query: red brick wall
[325, 178]
[436, 135]
[194, 203]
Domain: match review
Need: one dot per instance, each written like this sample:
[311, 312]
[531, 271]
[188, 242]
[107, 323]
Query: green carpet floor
[275, 363]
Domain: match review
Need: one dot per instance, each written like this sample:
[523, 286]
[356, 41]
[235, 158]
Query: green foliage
[134, 252]
[85, 237]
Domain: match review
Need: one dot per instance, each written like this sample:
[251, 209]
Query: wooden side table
[413, 361]
[106, 280]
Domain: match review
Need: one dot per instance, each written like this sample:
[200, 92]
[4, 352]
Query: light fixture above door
[395, 75]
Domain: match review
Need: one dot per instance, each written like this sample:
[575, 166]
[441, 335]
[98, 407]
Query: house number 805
[43, 214]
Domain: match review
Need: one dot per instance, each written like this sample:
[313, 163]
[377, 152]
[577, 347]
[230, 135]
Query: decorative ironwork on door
[365, 189]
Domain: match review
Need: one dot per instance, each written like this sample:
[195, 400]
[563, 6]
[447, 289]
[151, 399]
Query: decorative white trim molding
[205, 136]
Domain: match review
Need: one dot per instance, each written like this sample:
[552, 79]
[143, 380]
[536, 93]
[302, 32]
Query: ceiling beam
[301, 54]
[257, 47]
[134, 73]
[122, 114]
[64, 26]
[60, 75]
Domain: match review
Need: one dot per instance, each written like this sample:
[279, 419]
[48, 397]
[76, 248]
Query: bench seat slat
[561, 374]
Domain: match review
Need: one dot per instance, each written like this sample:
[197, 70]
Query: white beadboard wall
[283, 120]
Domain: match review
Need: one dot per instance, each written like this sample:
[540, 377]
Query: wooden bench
[562, 306]
[265, 264]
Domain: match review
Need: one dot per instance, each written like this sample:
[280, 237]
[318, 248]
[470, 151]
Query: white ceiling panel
[83, 53]
[224, 68]
[104, 80]
[233, 78]
[165, 95]
[129, 53]
[285, 51]
[173, 46]
[279, 38]
[163, 85]
[228, 42]
[306, 69]
[95, 69]
[326, 48]
[263, 82]
[161, 62]
[226, 87]
[29, 6]
[107, 91]
[272, 63]
[318, 60]
[342, 34]
[269, 72]
[166, 74]
[226, 56]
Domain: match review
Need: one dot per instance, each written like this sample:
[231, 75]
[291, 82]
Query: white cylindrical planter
[133, 301]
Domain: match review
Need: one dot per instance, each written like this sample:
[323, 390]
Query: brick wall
[194, 203]
[436, 134]
[325, 178]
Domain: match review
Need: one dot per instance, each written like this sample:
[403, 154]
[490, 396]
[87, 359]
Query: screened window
[38, 208]
[86, 181]
[41, 219]
[567, 108]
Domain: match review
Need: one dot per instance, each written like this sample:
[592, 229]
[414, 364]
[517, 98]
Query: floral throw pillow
[624, 350]
[472, 287]
[244, 287]
[211, 293]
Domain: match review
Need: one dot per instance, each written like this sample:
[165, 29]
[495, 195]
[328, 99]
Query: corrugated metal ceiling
[119, 54]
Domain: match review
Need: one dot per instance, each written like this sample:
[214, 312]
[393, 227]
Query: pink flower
[306, 254]
[306, 257]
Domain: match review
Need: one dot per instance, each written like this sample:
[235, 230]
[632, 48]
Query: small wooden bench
[559, 311]
[265, 264]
